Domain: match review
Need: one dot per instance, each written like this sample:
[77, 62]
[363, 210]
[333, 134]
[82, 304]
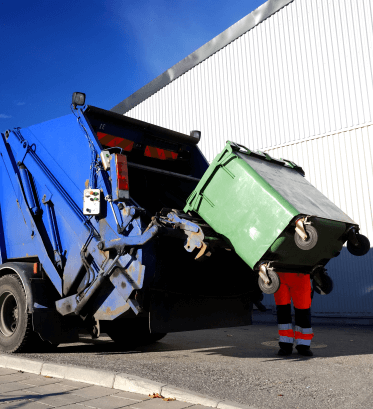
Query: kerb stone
[54, 370]
[22, 364]
[133, 383]
[93, 376]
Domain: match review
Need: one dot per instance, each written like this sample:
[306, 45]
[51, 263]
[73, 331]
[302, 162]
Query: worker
[296, 287]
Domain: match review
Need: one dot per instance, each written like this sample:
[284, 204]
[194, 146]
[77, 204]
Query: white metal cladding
[304, 71]
[340, 165]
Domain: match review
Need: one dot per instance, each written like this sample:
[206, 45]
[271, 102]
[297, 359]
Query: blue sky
[107, 49]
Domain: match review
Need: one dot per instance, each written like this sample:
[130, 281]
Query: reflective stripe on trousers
[286, 333]
[303, 336]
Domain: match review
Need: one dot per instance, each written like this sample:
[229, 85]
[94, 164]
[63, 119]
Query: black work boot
[304, 350]
[285, 349]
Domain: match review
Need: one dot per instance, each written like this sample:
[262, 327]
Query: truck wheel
[16, 332]
[362, 248]
[311, 240]
[273, 285]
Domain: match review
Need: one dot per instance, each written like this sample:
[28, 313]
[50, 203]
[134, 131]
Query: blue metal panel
[3, 255]
[46, 169]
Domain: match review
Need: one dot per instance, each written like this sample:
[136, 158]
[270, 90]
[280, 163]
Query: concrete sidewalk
[40, 390]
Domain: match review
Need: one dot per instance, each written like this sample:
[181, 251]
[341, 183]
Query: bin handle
[221, 159]
[238, 145]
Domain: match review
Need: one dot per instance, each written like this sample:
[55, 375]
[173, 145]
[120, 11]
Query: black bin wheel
[273, 285]
[15, 323]
[362, 248]
[326, 286]
[311, 240]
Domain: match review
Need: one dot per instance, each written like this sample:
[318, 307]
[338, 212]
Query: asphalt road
[240, 364]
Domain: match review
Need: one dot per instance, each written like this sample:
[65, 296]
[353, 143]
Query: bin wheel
[273, 285]
[311, 240]
[326, 286]
[362, 248]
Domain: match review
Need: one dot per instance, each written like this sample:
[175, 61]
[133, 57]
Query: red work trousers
[296, 287]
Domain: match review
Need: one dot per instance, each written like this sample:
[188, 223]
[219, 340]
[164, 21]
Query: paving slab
[12, 386]
[37, 380]
[109, 402]
[77, 385]
[73, 406]
[51, 388]
[62, 399]
[93, 392]
[14, 377]
[11, 397]
[26, 405]
[7, 371]
[136, 397]
[161, 404]
[189, 396]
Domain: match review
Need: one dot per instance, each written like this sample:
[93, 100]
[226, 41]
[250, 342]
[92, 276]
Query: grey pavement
[239, 365]
[29, 391]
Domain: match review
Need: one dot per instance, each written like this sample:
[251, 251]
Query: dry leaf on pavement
[156, 395]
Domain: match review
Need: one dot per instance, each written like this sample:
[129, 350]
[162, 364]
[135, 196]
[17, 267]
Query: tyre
[322, 284]
[16, 332]
[273, 285]
[311, 240]
[133, 333]
[362, 248]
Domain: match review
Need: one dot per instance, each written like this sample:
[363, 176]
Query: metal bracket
[263, 273]
[351, 236]
[25, 146]
[299, 227]
[194, 233]
[130, 212]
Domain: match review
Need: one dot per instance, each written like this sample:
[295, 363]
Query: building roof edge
[235, 31]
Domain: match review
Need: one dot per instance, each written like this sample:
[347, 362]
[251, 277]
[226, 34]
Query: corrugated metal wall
[304, 71]
[340, 165]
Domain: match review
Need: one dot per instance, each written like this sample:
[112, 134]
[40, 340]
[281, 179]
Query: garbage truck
[100, 231]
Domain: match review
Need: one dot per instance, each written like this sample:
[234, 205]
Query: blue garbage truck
[91, 238]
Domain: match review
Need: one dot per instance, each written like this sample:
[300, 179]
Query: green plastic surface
[237, 199]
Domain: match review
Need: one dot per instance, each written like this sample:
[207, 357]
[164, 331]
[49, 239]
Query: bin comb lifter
[273, 217]
[90, 235]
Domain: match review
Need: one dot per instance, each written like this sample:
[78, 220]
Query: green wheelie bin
[272, 217]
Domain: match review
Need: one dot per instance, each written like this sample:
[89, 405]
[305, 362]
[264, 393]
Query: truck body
[91, 236]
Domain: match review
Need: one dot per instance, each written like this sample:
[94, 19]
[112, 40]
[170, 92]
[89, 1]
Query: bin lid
[293, 187]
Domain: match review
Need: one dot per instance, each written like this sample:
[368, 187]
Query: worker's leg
[300, 291]
[285, 327]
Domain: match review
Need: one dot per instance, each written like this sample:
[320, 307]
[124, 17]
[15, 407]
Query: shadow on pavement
[255, 341]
